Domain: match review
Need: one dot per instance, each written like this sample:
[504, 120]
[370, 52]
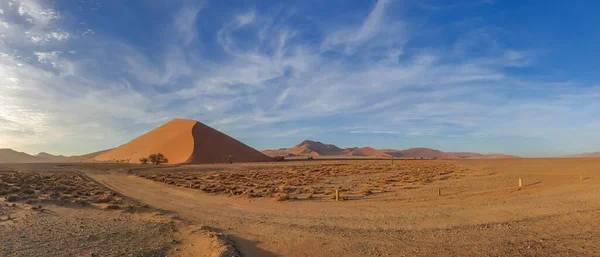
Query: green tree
[144, 160]
[158, 158]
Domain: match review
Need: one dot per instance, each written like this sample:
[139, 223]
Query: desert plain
[466, 207]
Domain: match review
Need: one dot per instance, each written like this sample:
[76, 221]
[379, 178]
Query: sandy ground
[479, 213]
[52, 210]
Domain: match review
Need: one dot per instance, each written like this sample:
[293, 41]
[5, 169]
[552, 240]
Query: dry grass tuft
[282, 197]
[366, 190]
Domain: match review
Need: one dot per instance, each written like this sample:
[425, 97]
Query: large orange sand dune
[184, 141]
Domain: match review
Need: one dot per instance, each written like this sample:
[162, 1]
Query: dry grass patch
[299, 181]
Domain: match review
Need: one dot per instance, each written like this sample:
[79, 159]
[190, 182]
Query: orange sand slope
[184, 141]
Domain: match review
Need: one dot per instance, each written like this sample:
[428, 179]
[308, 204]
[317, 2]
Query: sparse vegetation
[282, 197]
[366, 190]
[158, 158]
[309, 181]
[229, 158]
[64, 187]
[144, 160]
[279, 158]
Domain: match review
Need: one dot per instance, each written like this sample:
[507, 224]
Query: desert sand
[404, 208]
[414, 208]
[183, 141]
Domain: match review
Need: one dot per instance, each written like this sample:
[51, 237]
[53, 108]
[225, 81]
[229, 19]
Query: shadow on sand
[250, 248]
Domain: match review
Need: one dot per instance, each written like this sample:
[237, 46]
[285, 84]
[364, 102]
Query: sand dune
[465, 154]
[12, 156]
[586, 155]
[495, 156]
[50, 157]
[318, 149]
[82, 158]
[184, 141]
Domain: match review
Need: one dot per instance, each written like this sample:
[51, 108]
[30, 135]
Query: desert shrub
[344, 197]
[65, 198]
[28, 191]
[82, 202]
[31, 201]
[282, 197]
[13, 198]
[229, 158]
[113, 207]
[105, 198]
[279, 158]
[309, 195]
[54, 195]
[144, 160]
[366, 190]
[284, 188]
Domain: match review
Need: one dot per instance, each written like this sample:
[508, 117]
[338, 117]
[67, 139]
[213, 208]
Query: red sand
[184, 141]
[318, 149]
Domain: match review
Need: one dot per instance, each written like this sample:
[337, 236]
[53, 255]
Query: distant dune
[83, 158]
[50, 157]
[183, 141]
[318, 149]
[465, 154]
[586, 155]
[12, 156]
[494, 156]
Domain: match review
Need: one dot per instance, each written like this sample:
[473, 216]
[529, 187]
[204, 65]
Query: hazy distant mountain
[586, 155]
[315, 148]
[308, 148]
[12, 156]
[50, 157]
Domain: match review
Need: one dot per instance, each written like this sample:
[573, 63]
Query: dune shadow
[250, 248]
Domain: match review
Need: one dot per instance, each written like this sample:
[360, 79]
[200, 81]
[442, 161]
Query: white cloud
[48, 57]
[37, 14]
[185, 22]
[375, 30]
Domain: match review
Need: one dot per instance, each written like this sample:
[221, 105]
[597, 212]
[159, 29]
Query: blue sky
[517, 77]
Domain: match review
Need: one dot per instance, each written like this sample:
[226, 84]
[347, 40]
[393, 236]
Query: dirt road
[483, 214]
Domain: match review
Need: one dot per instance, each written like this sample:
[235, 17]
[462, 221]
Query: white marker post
[520, 183]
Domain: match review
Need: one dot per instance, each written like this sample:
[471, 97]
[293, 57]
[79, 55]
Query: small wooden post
[337, 194]
[520, 183]
[392, 160]
[580, 177]
[439, 192]
[190, 185]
